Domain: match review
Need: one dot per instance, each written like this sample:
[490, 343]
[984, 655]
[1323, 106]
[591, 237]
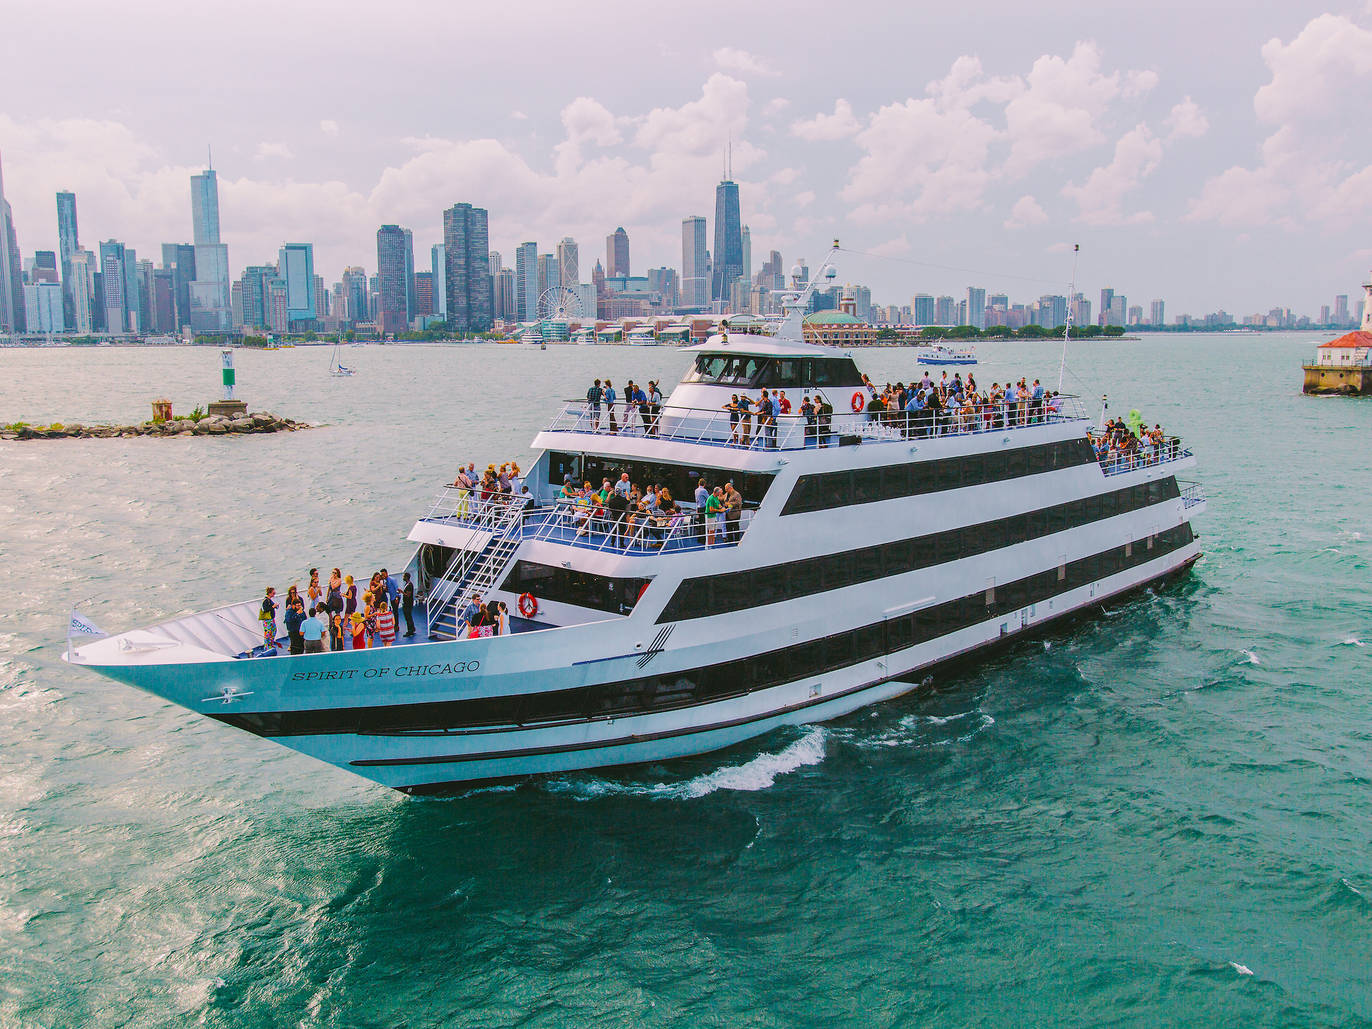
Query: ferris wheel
[559, 303]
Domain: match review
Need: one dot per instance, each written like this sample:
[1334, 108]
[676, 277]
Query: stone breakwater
[213, 425]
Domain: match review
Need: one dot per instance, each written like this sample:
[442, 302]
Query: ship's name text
[400, 672]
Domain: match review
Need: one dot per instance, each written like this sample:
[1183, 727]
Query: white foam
[758, 774]
[1241, 969]
[1352, 641]
[1252, 657]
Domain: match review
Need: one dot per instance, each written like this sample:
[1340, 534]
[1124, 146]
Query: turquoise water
[1157, 816]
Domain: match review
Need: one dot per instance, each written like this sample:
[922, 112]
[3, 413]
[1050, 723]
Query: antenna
[209, 157]
[1071, 303]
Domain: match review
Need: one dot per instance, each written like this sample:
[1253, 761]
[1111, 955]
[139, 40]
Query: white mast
[1071, 301]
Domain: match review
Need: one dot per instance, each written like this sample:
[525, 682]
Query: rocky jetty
[213, 425]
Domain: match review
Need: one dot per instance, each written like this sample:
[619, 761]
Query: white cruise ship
[871, 549]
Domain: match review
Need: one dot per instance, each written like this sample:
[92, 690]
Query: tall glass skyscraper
[68, 243]
[438, 262]
[526, 282]
[11, 272]
[205, 207]
[695, 274]
[728, 252]
[392, 265]
[295, 266]
[467, 257]
[210, 301]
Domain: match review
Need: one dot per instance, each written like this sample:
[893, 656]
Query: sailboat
[336, 367]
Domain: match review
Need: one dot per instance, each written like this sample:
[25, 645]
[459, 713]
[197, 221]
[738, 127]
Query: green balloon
[1135, 421]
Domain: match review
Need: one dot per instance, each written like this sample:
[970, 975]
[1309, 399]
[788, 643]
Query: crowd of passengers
[337, 616]
[1119, 445]
[625, 512]
[925, 407]
[488, 491]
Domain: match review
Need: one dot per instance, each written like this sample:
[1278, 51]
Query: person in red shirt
[385, 625]
[783, 402]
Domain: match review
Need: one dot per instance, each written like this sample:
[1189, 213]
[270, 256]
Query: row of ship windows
[736, 591]
[731, 678]
[825, 490]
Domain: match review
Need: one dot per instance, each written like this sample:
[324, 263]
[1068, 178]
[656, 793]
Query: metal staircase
[479, 572]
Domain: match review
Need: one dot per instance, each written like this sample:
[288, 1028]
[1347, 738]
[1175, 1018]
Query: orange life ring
[528, 605]
[859, 402]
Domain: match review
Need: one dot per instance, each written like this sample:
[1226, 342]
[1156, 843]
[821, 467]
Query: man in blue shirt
[469, 614]
[312, 629]
[392, 588]
[610, 398]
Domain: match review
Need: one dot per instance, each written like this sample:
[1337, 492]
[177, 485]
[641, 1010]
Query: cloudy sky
[1213, 154]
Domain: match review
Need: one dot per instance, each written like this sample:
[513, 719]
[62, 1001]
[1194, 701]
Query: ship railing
[794, 432]
[1192, 496]
[1146, 456]
[504, 521]
[467, 507]
[599, 529]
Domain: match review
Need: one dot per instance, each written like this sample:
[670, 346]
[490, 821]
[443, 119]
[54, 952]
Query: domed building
[840, 328]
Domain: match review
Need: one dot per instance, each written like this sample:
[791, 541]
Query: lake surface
[1160, 815]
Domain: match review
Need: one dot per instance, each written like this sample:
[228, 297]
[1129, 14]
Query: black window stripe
[707, 595]
[727, 679]
[825, 490]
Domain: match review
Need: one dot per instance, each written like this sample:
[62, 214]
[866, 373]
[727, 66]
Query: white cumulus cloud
[266, 151]
[827, 127]
[329, 127]
[1310, 165]
[1100, 198]
[1026, 212]
[741, 62]
[1186, 120]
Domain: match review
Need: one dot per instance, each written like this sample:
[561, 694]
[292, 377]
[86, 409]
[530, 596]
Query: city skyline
[1196, 156]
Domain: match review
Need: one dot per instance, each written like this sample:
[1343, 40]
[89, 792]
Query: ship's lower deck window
[734, 591]
[567, 586]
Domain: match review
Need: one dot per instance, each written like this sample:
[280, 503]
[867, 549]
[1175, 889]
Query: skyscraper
[439, 267]
[747, 236]
[526, 282]
[210, 300]
[976, 307]
[423, 294]
[392, 313]
[409, 276]
[295, 265]
[467, 257]
[922, 309]
[179, 259]
[118, 275]
[205, 207]
[617, 253]
[728, 251]
[83, 269]
[568, 264]
[355, 295]
[695, 276]
[547, 273]
[11, 272]
[68, 243]
[1157, 314]
[1107, 297]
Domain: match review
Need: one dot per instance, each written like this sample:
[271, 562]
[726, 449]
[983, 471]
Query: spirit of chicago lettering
[402, 672]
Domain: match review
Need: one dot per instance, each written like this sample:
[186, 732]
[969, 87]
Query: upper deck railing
[723, 428]
[1147, 455]
[590, 526]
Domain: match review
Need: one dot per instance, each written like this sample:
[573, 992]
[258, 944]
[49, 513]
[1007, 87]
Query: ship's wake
[757, 774]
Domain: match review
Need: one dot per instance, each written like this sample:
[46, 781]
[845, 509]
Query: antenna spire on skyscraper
[209, 157]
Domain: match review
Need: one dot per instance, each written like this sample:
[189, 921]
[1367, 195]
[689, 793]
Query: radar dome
[797, 271]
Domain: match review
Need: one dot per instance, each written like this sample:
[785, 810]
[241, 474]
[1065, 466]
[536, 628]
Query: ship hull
[288, 694]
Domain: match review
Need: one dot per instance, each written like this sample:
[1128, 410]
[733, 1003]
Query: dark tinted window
[563, 585]
[890, 482]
